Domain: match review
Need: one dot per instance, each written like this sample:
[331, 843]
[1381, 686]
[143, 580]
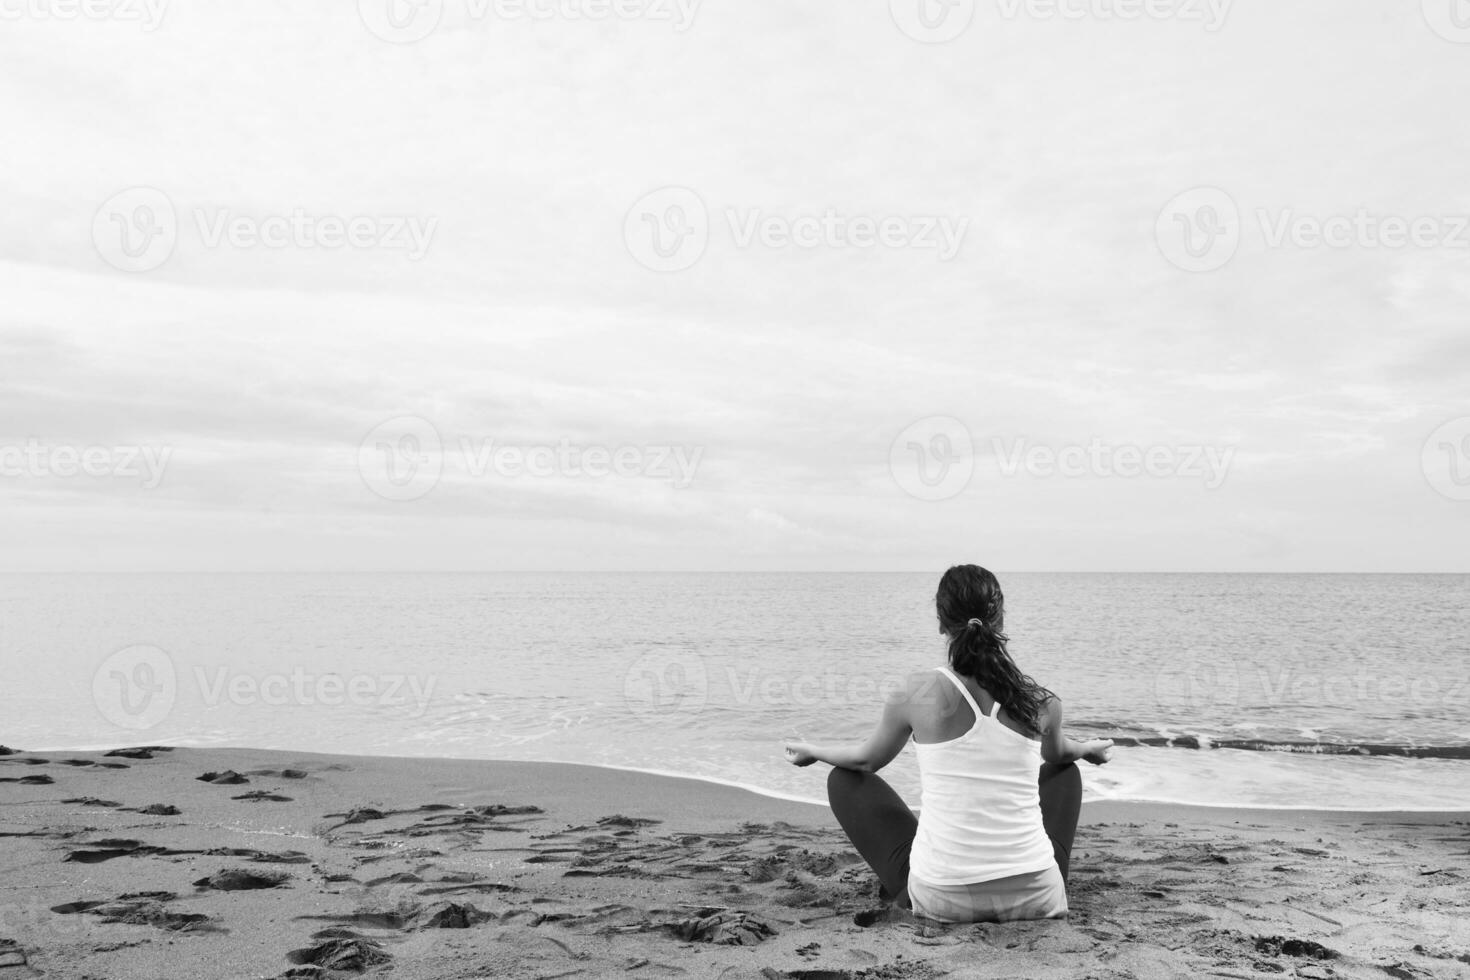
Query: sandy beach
[133, 864]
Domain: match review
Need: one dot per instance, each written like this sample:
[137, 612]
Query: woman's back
[995, 829]
[980, 812]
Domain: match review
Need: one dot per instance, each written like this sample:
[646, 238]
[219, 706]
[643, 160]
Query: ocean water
[1334, 691]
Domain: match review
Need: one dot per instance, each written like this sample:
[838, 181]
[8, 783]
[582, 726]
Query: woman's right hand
[799, 754]
[1097, 751]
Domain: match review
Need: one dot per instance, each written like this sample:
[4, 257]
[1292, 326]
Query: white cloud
[790, 370]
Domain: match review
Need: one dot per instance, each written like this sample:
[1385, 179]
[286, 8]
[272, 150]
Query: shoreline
[329, 866]
[1432, 812]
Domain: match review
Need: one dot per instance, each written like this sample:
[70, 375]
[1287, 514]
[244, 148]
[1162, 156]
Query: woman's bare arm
[1056, 747]
[870, 755]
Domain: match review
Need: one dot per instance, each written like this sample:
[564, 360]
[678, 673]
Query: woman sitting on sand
[992, 840]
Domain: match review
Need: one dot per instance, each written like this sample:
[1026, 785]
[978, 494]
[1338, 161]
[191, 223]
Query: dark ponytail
[971, 611]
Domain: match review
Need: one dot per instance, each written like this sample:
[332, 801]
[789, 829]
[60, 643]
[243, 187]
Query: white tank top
[980, 811]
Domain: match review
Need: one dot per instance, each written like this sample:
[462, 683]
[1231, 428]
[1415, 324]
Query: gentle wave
[679, 674]
[1205, 742]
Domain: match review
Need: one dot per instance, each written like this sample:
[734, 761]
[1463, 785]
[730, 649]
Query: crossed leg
[879, 824]
[1061, 803]
[882, 827]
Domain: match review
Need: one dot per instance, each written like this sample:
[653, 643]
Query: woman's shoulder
[1051, 709]
[919, 687]
[918, 682]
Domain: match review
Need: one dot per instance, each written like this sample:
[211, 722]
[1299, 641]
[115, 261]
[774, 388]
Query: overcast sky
[991, 345]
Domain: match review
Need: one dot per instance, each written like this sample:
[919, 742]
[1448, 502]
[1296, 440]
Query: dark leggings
[881, 826]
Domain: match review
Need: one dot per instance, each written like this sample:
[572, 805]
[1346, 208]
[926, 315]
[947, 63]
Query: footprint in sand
[472, 819]
[160, 810]
[618, 820]
[139, 751]
[263, 857]
[412, 854]
[227, 778]
[106, 850]
[438, 915]
[451, 915]
[478, 887]
[349, 954]
[261, 796]
[238, 879]
[721, 927]
[1277, 946]
[456, 819]
[141, 908]
[14, 962]
[91, 801]
[358, 814]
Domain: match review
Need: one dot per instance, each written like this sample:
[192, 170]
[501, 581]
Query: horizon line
[682, 571]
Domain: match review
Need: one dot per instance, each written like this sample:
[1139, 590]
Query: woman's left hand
[799, 754]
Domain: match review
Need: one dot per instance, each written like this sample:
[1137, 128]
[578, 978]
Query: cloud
[789, 370]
